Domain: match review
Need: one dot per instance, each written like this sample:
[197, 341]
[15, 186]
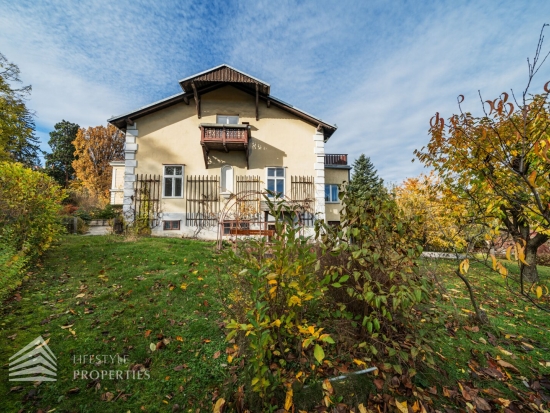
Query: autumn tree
[497, 164]
[95, 147]
[365, 176]
[17, 139]
[434, 211]
[59, 163]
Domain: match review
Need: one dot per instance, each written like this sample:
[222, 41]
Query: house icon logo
[35, 362]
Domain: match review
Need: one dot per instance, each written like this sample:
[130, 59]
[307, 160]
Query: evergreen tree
[59, 162]
[17, 139]
[365, 177]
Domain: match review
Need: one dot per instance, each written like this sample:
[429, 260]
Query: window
[229, 120]
[171, 225]
[276, 180]
[227, 179]
[331, 193]
[173, 181]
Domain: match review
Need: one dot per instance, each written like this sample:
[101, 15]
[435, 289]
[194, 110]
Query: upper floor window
[229, 120]
[331, 193]
[173, 181]
[227, 179]
[276, 180]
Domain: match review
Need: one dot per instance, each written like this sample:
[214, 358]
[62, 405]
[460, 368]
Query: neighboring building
[189, 156]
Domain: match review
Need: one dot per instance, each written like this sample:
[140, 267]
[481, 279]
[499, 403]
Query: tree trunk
[529, 272]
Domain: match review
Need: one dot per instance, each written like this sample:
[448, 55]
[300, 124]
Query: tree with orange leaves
[498, 166]
[95, 147]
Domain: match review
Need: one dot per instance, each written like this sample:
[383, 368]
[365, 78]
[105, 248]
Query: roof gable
[223, 74]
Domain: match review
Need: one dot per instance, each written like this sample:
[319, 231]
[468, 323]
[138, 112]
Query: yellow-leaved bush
[30, 202]
[274, 307]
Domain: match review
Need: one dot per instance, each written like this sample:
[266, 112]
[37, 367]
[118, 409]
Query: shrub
[30, 202]
[275, 306]
[373, 280]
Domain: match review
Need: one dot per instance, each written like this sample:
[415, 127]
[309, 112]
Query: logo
[35, 362]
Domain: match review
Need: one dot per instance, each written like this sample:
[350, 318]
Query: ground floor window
[331, 193]
[173, 181]
[276, 180]
[171, 225]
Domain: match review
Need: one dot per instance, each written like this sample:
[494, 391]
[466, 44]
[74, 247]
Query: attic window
[228, 120]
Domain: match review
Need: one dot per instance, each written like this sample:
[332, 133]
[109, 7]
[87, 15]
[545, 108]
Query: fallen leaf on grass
[402, 406]
[505, 352]
[80, 295]
[179, 338]
[12, 337]
[107, 397]
[481, 404]
[152, 347]
[507, 365]
[180, 367]
[379, 383]
[66, 327]
[16, 389]
[219, 405]
[74, 390]
[217, 354]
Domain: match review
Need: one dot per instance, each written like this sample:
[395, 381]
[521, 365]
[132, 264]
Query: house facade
[197, 163]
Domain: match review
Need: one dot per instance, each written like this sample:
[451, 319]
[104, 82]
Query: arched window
[227, 179]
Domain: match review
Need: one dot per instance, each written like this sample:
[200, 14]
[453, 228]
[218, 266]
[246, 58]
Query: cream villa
[197, 163]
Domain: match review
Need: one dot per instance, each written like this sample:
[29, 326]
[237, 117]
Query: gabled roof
[214, 78]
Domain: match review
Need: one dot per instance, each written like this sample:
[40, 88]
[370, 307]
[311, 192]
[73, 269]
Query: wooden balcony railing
[225, 138]
[336, 159]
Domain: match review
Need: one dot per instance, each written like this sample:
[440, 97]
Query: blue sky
[378, 69]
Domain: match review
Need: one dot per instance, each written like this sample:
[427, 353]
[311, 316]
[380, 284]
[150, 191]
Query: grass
[517, 331]
[132, 298]
[105, 296]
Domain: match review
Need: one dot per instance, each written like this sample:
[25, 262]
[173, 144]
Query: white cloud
[451, 52]
[378, 69]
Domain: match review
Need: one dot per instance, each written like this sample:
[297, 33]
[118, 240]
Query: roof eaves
[158, 102]
[300, 110]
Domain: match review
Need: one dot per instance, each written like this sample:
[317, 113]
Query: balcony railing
[224, 134]
[336, 159]
[225, 138]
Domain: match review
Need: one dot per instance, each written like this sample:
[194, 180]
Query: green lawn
[517, 333]
[116, 297]
[119, 298]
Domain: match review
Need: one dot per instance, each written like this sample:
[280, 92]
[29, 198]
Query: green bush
[275, 295]
[30, 203]
[373, 278]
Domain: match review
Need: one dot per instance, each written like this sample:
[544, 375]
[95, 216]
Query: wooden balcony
[336, 159]
[225, 138]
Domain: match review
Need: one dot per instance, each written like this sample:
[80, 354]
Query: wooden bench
[243, 231]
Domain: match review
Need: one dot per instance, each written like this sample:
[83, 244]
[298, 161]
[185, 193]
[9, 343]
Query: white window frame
[227, 119]
[283, 178]
[227, 185]
[330, 192]
[164, 176]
